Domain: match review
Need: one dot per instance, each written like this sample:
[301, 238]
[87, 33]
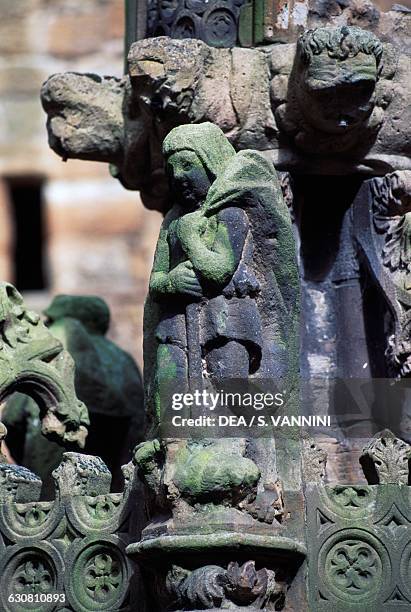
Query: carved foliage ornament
[391, 207]
[34, 362]
[385, 460]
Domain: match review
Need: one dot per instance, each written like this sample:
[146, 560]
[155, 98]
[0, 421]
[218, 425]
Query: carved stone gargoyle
[34, 362]
[339, 93]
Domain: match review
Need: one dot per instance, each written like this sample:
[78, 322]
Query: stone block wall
[98, 237]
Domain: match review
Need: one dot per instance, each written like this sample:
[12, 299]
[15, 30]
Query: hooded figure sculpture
[223, 294]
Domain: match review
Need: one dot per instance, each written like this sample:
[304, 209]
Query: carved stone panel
[386, 459]
[214, 22]
[68, 553]
[360, 543]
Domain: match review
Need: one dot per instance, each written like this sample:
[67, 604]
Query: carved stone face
[337, 95]
[189, 180]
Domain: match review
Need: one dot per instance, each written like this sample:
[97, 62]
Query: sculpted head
[189, 181]
[195, 156]
[338, 71]
[91, 310]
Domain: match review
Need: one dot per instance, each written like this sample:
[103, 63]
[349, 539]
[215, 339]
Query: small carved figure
[216, 587]
[391, 227]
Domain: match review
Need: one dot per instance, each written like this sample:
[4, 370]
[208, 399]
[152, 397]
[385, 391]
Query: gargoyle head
[339, 69]
[332, 103]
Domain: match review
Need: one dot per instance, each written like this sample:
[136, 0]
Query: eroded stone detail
[99, 575]
[314, 460]
[215, 314]
[71, 549]
[350, 497]
[386, 459]
[31, 569]
[106, 379]
[34, 362]
[353, 568]
[391, 198]
[208, 320]
[262, 104]
[238, 584]
[3, 434]
[356, 547]
[332, 103]
[264, 23]
[82, 475]
[213, 22]
[268, 506]
[380, 227]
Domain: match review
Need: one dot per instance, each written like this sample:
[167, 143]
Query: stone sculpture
[34, 362]
[217, 25]
[67, 553]
[230, 521]
[172, 82]
[391, 205]
[213, 318]
[210, 317]
[106, 378]
[253, 23]
[331, 104]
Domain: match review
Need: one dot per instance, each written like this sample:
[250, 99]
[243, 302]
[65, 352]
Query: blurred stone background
[66, 227]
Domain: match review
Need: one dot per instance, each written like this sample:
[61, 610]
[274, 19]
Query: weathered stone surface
[210, 253]
[175, 82]
[215, 24]
[314, 461]
[33, 361]
[85, 116]
[391, 205]
[334, 108]
[215, 313]
[70, 550]
[3, 434]
[379, 221]
[18, 483]
[255, 23]
[359, 537]
[386, 459]
[219, 587]
[106, 379]
[338, 69]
